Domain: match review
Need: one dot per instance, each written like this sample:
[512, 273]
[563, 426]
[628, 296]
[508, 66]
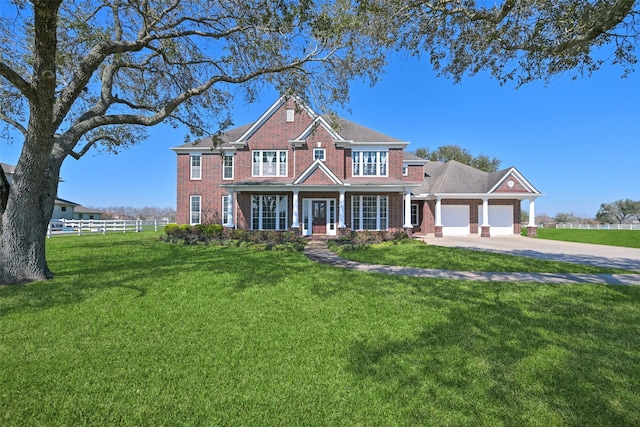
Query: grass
[133, 331]
[626, 238]
[417, 254]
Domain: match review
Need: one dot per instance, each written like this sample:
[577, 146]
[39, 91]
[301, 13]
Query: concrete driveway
[580, 253]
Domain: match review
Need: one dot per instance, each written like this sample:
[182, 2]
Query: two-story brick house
[294, 169]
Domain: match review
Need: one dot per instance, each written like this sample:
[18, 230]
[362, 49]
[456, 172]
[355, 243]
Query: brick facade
[276, 132]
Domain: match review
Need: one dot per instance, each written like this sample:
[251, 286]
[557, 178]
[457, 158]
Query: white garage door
[500, 219]
[455, 220]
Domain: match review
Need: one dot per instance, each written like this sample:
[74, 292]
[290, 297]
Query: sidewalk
[318, 251]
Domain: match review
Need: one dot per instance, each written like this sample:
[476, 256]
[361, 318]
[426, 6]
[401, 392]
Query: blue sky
[577, 141]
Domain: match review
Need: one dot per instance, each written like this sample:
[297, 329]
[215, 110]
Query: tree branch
[17, 81]
[14, 123]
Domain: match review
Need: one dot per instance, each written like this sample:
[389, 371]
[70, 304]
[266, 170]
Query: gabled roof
[60, 201]
[343, 131]
[318, 164]
[455, 177]
[7, 168]
[82, 209]
[350, 131]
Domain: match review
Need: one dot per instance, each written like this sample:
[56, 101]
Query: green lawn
[138, 332]
[417, 254]
[626, 238]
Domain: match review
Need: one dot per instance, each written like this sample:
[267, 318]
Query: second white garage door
[500, 219]
[455, 220]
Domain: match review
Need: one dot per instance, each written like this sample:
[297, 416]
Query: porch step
[317, 244]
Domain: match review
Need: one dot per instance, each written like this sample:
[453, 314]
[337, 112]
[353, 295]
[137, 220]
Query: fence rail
[80, 226]
[600, 226]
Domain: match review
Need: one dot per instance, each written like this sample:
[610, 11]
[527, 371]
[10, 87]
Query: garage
[500, 219]
[455, 220]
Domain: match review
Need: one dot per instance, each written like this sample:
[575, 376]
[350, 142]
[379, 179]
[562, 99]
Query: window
[196, 168]
[369, 212]
[269, 163]
[63, 208]
[227, 167]
[269, 212]
[226, 210]
[319, 154]
[414, 214]
[195, 210]
[405, 170]
[369, 163]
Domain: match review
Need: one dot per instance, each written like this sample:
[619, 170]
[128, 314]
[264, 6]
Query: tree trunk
[22, 254]
[35, 181]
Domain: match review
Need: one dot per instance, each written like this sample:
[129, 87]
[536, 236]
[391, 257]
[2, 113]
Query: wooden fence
[80, 226]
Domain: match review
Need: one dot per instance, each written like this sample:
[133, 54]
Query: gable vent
[290, 114]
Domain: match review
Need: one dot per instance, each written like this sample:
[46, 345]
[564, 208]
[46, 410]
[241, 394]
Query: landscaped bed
[136, 331]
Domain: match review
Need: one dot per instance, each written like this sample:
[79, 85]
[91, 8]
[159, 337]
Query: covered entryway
[319, 216]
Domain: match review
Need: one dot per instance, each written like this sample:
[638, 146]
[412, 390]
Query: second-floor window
[319, 154]
[227, 167]
[196, 168]
[269, 163]
[370, 163]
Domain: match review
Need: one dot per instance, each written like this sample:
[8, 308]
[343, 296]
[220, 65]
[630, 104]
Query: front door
[319, 220]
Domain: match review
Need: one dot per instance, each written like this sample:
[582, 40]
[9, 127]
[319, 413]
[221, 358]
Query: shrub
[171, 229]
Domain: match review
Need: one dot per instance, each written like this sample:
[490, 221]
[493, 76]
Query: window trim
[359, 199]
[320, 150]
[226, 200]
[281, 199]
[192, 198]
[405, 170]
[226, 167]
[357, 157]
[193, 168]
[278, 163]
[417, 214]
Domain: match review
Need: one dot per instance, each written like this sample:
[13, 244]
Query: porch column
[485, 227]
[295, 223]
[341, 209]
[407, 208]
[532, 230]
[438, 224]
[230, 212]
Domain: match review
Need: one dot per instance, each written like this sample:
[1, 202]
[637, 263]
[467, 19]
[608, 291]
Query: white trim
[267, 114]
[277, 163]
[233, 167]
[192, 168]
[307, 217]
[514, 172]
[361, 213]
[319, 120]
[320, 150]
[317, 164]
[191, 211]
[378, 163]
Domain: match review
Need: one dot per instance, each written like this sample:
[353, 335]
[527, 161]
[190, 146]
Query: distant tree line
[444, 153]
[623, 211]
[130, 212]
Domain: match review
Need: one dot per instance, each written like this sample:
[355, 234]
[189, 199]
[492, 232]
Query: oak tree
[83, 74]
[444, 153]
[619, 212]
[519, 40]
